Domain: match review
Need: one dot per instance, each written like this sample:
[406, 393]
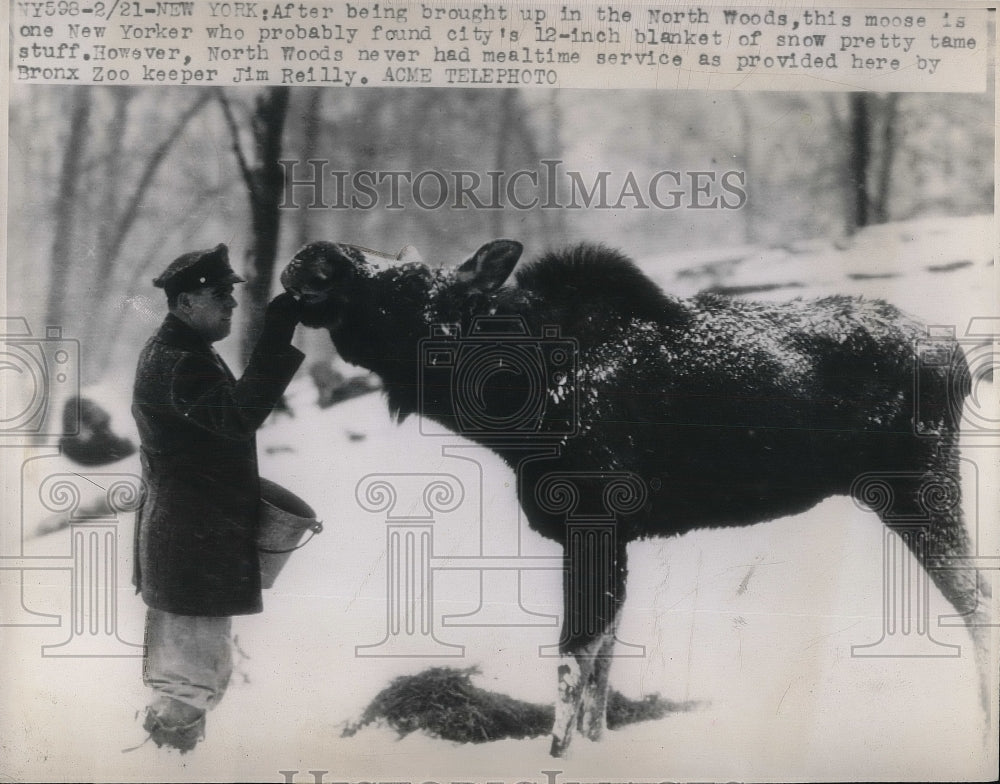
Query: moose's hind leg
[924, 508]
[593, 717]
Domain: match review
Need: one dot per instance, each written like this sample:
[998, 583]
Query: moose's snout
[322, 276]
[289, 278]
[314, 272]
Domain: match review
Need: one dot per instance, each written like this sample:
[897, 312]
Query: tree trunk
[860, 157]
[110, 185]
[119, 223]
[265, 196]
[750, 218]
[559, 228]
[62, 256]
[265, 185]
[310, 138]
[504, 138]
[884, 179]
[529, 148]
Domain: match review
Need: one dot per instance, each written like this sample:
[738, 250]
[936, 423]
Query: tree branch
[149, 174]
[839, 128]
[234, 131]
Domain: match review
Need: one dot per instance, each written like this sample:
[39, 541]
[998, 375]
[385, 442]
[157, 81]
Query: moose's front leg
[594, 589]
[593, 717]
[573, 675]
[593, 714]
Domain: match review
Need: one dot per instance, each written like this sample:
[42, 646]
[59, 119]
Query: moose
[729, 412]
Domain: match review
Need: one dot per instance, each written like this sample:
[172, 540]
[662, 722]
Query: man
[196, 557]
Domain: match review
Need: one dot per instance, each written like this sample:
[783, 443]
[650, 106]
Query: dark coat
[195, 539]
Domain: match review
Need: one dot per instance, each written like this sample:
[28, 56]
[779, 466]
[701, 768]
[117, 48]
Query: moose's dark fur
[730, 412]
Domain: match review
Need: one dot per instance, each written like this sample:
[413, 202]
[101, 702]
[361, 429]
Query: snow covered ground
[757, 624]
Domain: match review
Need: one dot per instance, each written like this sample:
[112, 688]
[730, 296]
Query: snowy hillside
[757, 624]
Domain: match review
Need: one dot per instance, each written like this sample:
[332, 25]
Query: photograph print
[499, 434]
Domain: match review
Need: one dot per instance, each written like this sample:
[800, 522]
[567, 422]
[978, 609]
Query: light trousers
[188, 657]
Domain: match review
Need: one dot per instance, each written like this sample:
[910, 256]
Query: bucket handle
[315, 528]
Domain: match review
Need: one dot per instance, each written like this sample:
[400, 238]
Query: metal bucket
[284, 519]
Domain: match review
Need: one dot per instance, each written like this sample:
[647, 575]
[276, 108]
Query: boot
[173, 723]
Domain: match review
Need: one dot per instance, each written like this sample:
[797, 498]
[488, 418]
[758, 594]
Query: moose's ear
[491, 265]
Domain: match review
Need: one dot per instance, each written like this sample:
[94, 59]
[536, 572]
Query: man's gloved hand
[281, 317]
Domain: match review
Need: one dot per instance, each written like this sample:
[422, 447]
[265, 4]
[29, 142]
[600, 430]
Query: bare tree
[110, 178]
[871, 151]
[116, 228]
[264, 180]
[555, 144]
[883, 180]
[308, 147]
[860, 142]
[66, 206]
[517, 145]
[750, 216]
[504, 139]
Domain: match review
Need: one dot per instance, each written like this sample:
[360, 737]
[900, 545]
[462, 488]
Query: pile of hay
[444, 703]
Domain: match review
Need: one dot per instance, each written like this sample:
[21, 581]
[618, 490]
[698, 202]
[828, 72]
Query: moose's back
[735, 412]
